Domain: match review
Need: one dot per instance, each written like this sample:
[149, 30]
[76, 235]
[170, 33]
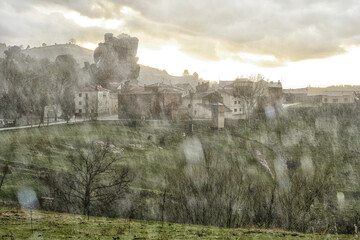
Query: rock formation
[116, 60]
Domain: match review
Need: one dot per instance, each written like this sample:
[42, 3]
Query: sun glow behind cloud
[335, 70]
[175, 62]
[89, 45]
[98, 22]
[339, 69]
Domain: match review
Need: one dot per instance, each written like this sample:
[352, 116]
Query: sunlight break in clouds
[301, 42]
[88, 22]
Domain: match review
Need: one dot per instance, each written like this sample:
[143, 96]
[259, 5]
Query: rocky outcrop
[116, 60]
[115, 63]
[3, 47]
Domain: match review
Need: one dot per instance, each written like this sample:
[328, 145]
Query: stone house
[322, 95]
[114, 103]
[302, 95]
[338, 97]
[200, 104]
[155, 101]
[271, 91]
[186, 88]
[235, 105]
[92, 101]
[275, 90]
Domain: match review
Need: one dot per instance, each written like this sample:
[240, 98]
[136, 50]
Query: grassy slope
[15, 224]
[46, 148]
[31, 150]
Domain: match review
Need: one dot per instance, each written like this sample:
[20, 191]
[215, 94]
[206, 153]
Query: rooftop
[92, 88]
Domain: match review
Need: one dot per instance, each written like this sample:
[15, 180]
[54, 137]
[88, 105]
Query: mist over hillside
[80, 54]
[148, 75]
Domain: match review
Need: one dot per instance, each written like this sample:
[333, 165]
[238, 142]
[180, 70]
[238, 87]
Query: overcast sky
[301, 42]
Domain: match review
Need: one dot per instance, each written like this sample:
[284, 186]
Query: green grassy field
[16, 224]
[31, 151]
[34, 150]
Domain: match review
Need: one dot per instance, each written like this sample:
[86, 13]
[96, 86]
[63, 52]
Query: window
[80, 95]
[80, 110]
[234, 102]
[335, 100]
[80, 103]
[325, 100]
[239, 109]
[86, 95]
[235, 109]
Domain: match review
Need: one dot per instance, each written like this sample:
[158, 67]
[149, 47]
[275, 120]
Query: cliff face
[3, 47]
[116, 59]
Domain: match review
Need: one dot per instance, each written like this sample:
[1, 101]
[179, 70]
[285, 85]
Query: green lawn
[16, 224]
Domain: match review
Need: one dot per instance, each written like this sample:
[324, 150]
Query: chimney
[218, 116]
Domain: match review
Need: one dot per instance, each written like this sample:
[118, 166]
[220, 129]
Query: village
[126, 95]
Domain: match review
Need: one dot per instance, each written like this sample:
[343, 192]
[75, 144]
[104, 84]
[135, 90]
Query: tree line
[27, 85]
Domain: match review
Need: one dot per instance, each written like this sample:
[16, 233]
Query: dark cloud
[289, 30]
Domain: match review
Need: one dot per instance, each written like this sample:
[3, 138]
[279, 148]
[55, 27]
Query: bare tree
[72, 41]
[95, 178]
[207, 193]
[250, 93]
[5, 170]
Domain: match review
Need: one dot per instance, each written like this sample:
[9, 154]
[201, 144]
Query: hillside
[15, 224]
[250, 161]
[148, 75]
[51, 52]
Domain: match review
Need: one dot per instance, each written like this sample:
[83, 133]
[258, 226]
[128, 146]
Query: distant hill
[148, 75]
[80, 54]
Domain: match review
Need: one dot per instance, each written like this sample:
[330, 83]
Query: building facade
[156, 101]
[338, 97]
[92, 101]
